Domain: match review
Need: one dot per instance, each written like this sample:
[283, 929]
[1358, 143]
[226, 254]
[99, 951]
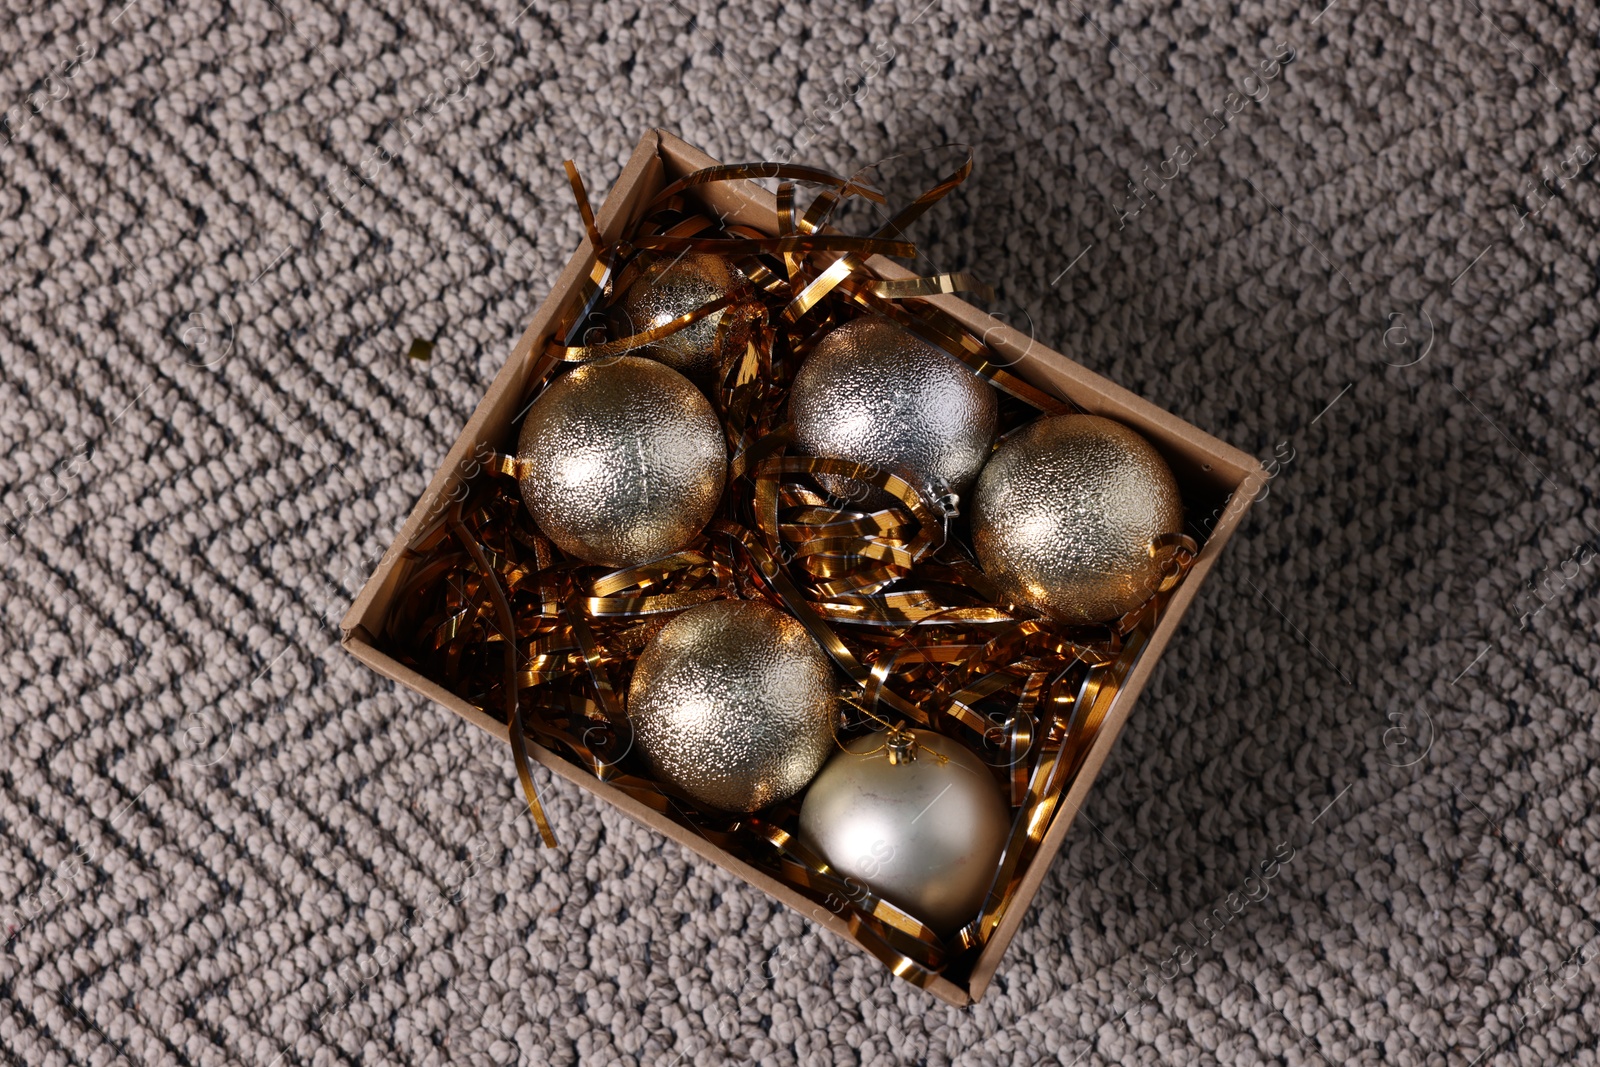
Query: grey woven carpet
[1360, 242]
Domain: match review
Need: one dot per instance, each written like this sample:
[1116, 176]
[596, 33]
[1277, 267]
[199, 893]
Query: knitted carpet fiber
[1352, 820]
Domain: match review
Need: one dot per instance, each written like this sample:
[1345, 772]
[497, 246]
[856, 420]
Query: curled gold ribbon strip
[897, 225]
[819, 287]
[932, 285]
[514, 714]
[585, 212]
[852, 265]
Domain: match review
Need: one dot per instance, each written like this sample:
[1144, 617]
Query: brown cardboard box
[1218, 481]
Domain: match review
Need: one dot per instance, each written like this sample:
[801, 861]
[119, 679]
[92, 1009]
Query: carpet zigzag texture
[1356, 240]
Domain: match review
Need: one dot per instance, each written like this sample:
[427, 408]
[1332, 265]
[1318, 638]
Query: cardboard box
[1218, 481]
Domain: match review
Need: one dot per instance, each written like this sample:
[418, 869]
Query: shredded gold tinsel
[494, 612]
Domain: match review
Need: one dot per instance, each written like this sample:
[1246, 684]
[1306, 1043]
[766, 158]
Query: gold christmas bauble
[1064, 515]
[916, 817]
[873, 392]
[676, 286]
[733, 702]
[622, 461]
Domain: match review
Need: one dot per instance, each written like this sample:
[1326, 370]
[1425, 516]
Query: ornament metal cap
[901, 745]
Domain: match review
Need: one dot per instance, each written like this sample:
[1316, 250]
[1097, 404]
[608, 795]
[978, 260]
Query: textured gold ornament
[622, 461]
[1064, 516]
[733, 702]
[675, 286]
[873, 392]
[914, 815]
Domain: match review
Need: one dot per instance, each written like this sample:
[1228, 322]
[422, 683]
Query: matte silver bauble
[923, 832]
[676, 286]
[622, 461]
[873, 392]
[1064, 515]
[733, 702]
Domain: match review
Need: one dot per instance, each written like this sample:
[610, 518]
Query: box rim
[661, 146]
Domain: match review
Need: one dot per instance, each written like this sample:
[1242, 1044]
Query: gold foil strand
[513, 709]
[932, 285]
[585, 212]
